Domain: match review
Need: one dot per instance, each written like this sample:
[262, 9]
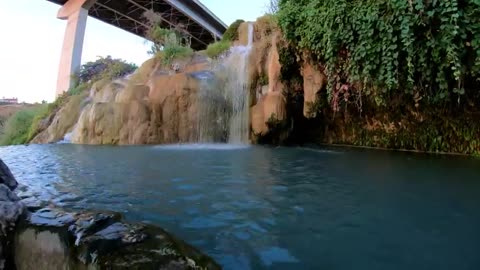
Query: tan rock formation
[274, 106]
[265, 61]
[173, 101]
[155, 105]
[270, 107]
[113, 123]
[242, 34]
[313, 81]
[158, 104]
[274, 67]
[259, 125]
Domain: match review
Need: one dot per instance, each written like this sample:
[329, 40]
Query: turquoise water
[276, 208]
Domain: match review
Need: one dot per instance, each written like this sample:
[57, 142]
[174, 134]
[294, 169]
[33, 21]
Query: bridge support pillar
[76, 14]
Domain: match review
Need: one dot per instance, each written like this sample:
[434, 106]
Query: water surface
[276, 208]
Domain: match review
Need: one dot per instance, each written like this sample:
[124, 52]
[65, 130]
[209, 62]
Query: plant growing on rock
[104, 68]
[168, 44]
[218, 48]
[384, 49]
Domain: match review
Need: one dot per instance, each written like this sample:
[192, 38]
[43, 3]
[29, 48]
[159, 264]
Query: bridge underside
[188, 16]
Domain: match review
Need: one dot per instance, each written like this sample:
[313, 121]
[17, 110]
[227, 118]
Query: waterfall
[68, 137]
[224, 113]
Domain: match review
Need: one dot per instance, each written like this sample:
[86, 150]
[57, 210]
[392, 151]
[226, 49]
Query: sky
[32, 37]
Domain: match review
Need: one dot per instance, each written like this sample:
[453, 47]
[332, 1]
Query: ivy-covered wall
[425, 50]
[402, 74]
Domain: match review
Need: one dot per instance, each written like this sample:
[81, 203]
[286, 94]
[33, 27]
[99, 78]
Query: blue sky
[32, 39]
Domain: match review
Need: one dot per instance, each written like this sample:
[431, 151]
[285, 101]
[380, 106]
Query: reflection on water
[276, 208]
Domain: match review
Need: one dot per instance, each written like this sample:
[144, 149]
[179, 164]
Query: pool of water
[276, 208]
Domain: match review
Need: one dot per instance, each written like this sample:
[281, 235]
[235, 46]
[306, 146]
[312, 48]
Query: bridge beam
[76, 14]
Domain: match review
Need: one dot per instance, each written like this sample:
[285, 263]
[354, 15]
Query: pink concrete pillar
[76, 13]
[72, 49]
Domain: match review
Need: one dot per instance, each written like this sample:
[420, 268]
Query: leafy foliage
[104, 68]
[426, 49]
[218, 48]
[231, 34]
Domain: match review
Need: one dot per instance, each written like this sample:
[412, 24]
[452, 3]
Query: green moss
[218, 48]
[231, 34]
[434, 133]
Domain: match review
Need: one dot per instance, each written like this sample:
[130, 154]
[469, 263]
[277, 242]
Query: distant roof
[191, 15]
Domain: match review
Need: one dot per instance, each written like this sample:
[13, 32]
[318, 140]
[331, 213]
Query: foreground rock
[36, 237]
[51, 238]
[11, 208]
[6, 176]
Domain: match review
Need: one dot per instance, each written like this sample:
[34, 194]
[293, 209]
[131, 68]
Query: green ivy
[385, 48]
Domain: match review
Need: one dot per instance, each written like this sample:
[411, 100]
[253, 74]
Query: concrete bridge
[188, 16]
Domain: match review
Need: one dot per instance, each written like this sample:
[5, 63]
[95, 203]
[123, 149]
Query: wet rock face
[99, 240]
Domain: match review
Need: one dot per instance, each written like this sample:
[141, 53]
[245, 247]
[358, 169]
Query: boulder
[11, 208]
[272, 106]
[259, 127]
[52, 238]
[6, 176]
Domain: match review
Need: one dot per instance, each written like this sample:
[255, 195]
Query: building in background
[9, 100]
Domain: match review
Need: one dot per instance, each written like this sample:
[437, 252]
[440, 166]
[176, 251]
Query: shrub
[168, 44]
[104, 68]
[267, 24]
[218, 48]
[17, 127]
[428, 50]
[231, 34]
[169, 53]
[79, 89]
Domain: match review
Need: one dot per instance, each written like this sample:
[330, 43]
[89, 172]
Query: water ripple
[274, 208]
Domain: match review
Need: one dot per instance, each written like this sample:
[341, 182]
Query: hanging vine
[426, 49]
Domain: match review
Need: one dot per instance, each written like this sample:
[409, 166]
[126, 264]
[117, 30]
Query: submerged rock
[55, 239]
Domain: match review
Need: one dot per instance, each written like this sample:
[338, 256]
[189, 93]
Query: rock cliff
[288, 98]
[154, 105]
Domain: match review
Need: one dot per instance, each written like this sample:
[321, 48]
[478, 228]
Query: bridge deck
[189, 15]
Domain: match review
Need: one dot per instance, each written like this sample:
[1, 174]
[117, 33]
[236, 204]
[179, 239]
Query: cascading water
[224, 98]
